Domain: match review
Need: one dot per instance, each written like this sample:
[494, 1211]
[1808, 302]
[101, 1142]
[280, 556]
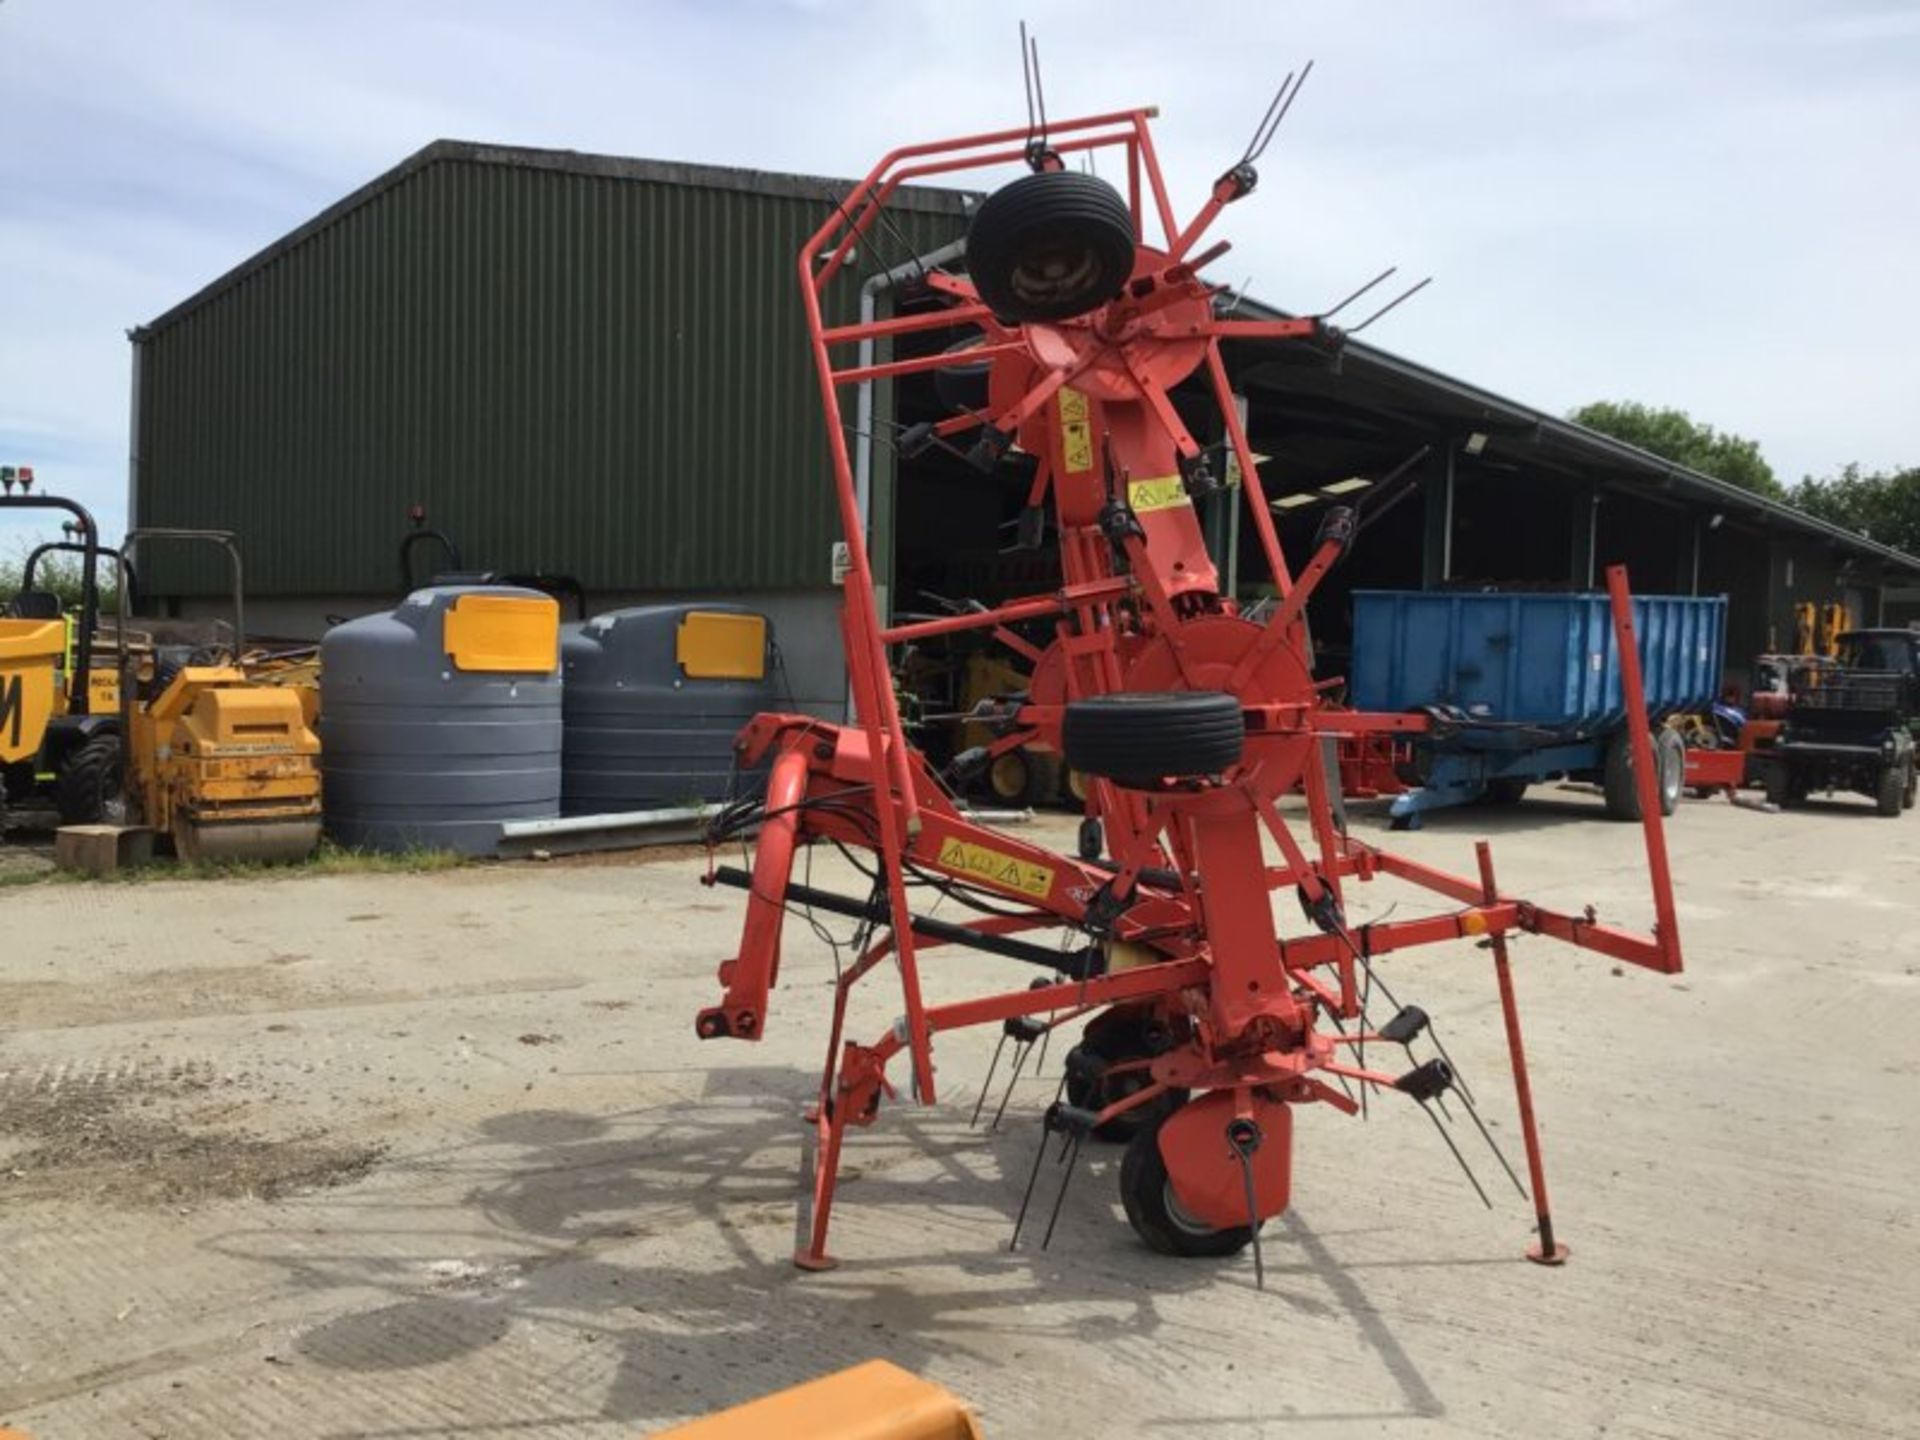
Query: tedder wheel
[1154, 1211]
[1116, 1035]
[1506, 790]
[1137, 740]
[1050, 246]
[963, 384]
[91, 788]
[1024, 777]
[1670, 764]
[1890, 795]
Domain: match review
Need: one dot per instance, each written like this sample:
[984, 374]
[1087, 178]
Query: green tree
[1883, 505]
[1674, 435]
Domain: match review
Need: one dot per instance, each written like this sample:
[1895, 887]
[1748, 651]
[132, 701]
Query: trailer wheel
[1506, 790]
[1050, 246]
[1137, 740]
[1154, 1211]
[1670, 764]
[91, 787]
[1890, 796]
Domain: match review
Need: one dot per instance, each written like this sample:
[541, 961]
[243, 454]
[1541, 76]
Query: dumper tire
[1617, 782]
[1136, 739]
[91, 786]
[1155, 1214]
[1023, 777]
[1050, 246]
[1890, 795]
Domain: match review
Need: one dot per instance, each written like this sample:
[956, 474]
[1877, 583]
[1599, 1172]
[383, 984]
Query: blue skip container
[1527, 686]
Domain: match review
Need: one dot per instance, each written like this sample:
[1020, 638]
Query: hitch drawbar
[1075, 964]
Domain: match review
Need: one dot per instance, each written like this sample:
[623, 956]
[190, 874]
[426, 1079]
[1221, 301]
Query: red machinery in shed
[1206, 1027]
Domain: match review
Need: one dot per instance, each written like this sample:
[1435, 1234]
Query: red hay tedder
[1204, 1027]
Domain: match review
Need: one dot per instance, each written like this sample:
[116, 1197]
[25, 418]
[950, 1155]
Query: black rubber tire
[1152, 1211]
[1506, 790]
[1617, 783]
[1137, 740]
[1035, 781]
[1050, 246]
[1890, 794]
[1779, 784]
[963, 385]
[1115, 1035]
[91, 786]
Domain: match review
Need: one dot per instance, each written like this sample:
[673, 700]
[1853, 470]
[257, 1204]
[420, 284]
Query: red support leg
[830, 1127]
[1545, 1251]
[1666, 927]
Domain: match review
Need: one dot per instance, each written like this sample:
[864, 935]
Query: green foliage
[59, 573]
[1883, 505]
[1674, 435]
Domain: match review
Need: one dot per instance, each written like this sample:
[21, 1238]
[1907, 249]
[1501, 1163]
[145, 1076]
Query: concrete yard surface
[439, 1155]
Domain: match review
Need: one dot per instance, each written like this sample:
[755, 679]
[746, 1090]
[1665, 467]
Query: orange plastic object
[503, 633]
[716, 645]
[874, 1401]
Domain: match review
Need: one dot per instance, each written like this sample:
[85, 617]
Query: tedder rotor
[1205, 1028]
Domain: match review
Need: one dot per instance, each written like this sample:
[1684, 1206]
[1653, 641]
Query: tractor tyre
[1890, 795]
[1154, 1211]
[1116, 1035]
[1050, 246]
[1617, 783]
[91, 789]
[1137, 740]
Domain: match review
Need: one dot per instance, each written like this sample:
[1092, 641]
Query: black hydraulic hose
[1079, 966]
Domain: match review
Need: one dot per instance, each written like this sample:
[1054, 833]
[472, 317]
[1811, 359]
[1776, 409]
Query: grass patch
[329, 859]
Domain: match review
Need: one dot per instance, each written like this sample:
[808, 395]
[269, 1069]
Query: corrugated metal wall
[573, 372]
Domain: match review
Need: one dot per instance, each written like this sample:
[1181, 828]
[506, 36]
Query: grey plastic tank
[440, 719]
[654, 697]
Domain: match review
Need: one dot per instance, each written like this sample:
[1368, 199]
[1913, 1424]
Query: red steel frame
[1181, 921]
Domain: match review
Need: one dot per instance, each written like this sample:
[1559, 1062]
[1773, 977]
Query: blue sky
[1709, 205]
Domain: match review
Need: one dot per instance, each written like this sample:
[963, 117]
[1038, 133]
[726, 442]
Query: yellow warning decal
[1076, 431]
[996, 867]
[1161, 493]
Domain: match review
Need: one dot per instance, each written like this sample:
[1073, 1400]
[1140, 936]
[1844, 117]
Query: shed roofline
[1593, 445]
[927, 198]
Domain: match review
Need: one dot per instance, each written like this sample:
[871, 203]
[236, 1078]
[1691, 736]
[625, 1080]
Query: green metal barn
[573, 363]
[597, 366]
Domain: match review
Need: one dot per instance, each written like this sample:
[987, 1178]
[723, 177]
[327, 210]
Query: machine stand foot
[807, 1260]
[1540, 1255]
